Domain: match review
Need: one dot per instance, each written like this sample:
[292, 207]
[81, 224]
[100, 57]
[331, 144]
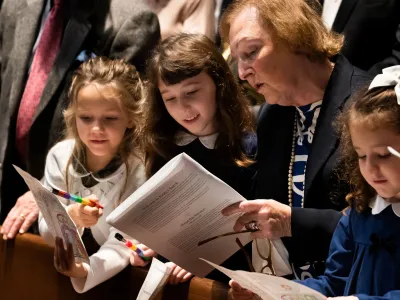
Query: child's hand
[238, 293]
[178, 275]
[137, 261]
[84, 215]
[64, 261]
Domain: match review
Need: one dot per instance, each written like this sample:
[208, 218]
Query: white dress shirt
[45, 15]
[329, 12]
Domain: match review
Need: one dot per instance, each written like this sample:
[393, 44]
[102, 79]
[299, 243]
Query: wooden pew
[27, 272]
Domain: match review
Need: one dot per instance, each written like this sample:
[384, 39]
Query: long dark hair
[178, 58]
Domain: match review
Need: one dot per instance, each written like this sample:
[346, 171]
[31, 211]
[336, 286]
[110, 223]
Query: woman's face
[267, 66]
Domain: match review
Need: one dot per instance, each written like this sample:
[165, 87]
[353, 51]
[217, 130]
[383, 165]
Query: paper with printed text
[55, 215]
[176, 209]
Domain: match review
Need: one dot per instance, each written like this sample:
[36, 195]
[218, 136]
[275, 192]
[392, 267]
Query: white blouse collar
[379, 204]
[183, 138]
[85, 173]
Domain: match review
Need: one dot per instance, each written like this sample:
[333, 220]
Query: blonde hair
[127, 88]
[295, 23]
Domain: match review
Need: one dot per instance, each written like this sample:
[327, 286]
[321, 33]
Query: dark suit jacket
[372, 33]
[312, 226]
[115, 28]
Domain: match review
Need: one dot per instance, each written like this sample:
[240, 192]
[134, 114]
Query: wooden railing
[27, 272]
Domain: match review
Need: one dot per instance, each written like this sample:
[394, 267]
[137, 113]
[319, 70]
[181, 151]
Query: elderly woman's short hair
[296, 23]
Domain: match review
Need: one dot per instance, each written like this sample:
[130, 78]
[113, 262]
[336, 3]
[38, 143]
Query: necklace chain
[291, 164]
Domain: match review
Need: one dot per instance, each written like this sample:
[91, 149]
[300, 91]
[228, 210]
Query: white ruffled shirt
[183, 138]
[379, 204]
[113, 256]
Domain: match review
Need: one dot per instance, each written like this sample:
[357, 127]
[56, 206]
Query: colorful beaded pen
[129, 244]
[83, 201]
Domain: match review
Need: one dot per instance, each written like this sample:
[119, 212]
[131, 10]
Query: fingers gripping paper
[178, 207]
[57, 219]
[270, 287]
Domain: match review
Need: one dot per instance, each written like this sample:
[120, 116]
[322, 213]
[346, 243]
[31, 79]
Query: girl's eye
[170, 99]
[362, 157]
[85, 118]
[111, 118]
[386, 155]
[192, 92]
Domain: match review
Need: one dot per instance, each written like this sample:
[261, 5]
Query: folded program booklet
[55, 215]
[176, 209]
[269, 287]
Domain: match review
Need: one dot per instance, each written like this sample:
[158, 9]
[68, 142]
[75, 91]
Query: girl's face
[192, 103]
[379, 168]
[100, 122]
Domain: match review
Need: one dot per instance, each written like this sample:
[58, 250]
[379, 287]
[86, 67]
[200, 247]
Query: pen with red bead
[129, 244]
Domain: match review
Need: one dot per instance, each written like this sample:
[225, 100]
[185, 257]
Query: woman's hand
[24, 213]
[64, 261]
[238, 293]
[137, 261]
[178, 275]
[273, 218]
[84, 215]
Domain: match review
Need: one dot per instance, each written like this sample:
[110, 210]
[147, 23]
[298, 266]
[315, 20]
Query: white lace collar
[183, 138]
[379, 204]
[85, 173]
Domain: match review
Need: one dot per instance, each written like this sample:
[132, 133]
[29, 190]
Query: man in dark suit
[371, 30]
[115, 28]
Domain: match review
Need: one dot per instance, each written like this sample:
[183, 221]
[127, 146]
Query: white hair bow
[389, 77]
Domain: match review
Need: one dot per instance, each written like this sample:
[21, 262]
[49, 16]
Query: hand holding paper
[272, 217]
[268, 287]
[64, 261]
[56, 217]
[239, 293]
[178, 275]
[176, 209]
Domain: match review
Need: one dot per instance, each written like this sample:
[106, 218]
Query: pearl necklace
[292, 158]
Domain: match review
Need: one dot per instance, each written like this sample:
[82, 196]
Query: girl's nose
[97, 126]
[372, 166]
[184, 106]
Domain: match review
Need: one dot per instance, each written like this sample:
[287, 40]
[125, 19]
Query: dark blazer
[312, 226]
[118, 29]
[372, 33]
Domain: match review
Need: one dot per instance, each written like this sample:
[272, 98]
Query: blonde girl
[98, 158]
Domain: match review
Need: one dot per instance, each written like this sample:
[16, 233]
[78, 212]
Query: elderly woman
[285, 52]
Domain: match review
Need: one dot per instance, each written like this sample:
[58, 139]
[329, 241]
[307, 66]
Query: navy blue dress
[219, 163]
[364, 258]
